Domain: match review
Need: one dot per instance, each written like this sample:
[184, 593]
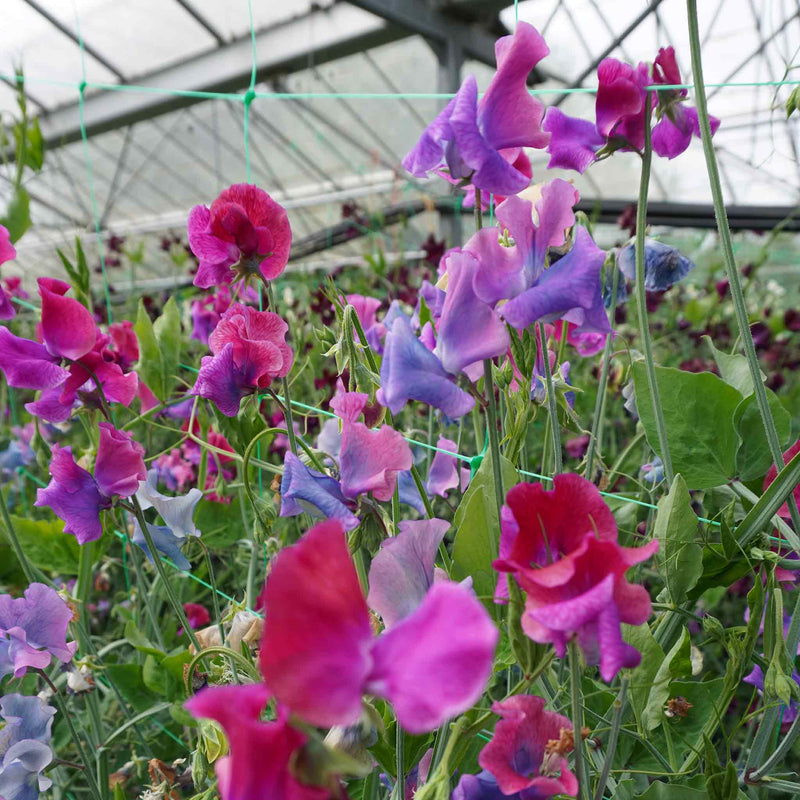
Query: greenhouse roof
[145, 112]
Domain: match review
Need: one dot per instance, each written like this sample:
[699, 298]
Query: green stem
[84, 585]
[215, 600]
[399, 792]
[144, 591]
[577, 719]
[12, 538]
[726, 243]
[552, 405]
[596, 438]
[177, 607]
[641, 297]
[613, 737]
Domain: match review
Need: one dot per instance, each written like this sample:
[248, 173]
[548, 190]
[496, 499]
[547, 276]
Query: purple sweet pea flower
[468, 134]
[402, 572]
[756, 678]
[470, 330]
[119, 465]
[305, 489]
[574, 142]
[409, 371]
[27, 364]
[569, 289]
[33, 629]
[663, 265]
[20, 770]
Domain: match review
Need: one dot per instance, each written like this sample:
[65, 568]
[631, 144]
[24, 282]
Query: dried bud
[677, 707]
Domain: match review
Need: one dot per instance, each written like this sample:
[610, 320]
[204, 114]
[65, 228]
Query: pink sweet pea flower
[126, 345]
[245, 231]
[561, 546]
[369, 459]
[772, 473]
[33, 629]
[7, 253]
[319, 655]
[261, 753]
[68, 328]
[196, 615]
[517, 756]
[249, 351]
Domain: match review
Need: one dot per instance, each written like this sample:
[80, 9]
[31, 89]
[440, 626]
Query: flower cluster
[319, 654]
[561, 548]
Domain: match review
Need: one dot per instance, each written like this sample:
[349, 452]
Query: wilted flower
[663, 265]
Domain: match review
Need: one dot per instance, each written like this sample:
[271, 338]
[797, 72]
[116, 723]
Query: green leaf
[721, 784]
[46, 544]
[477, 527]
[733, 369]
[128, 679]
[698, 412]
[793, 101]
[139, 641]
[220, 523]
[159, 348]
[18, 214]
[669, 791]
[753, 457]
[78, 274]
[679, 555]
[154, 678]
[677, 664]
[642, 677]
[34, 152]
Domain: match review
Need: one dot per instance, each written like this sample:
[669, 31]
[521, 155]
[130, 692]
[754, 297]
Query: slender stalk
[144, 590]
[12, 538]
[159, 565]
[215, 600]
[84, 585]
[399, 791]
[287, 399]
[613, 737]
[552, 405]
[596, 438]
[641, 296]
[577, 719]
[491, 406]
[726, 243]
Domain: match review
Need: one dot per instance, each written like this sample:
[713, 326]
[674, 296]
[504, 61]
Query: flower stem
[159, 565]
[491, 406]
[12, 538]
[400, 760]
[726, 243]
[613, 737]
[641, 296]
[596, 438]
[552, 405]
[577, 719]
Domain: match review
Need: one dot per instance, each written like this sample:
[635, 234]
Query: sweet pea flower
[306, 489]
[245, 231]
[470, 330]
[261, 753]
[68, 329]
[77, 498]
[443, 474]
[33, 630]
[468, 136]
[126, 345]
[7, 253]
[519, 161]
[521, 757]
[620, 115]
[249, 351]
[587, 344]
[561, 546]
[196, 615]
[369, 459]
[663, 265]
[402, 571]
[319, 654]
[410, 371]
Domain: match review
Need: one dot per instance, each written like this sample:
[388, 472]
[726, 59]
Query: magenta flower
[467, 137]
[77, 498]
[443, 474]
[261, 753]
[369, 459]
[126, 345]
[319, 654]
[244, 231]
[7, 253]
[402, 571]
[410, 371]
[27, 364]
[196, 615]
[68, 329]
[519, 160]
[561, 547]
[772, 473]
[249, 351]
[33, 630]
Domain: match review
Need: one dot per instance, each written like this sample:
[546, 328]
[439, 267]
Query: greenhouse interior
[321, 478]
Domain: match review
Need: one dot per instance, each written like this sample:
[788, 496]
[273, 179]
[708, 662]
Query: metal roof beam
[335, 32]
